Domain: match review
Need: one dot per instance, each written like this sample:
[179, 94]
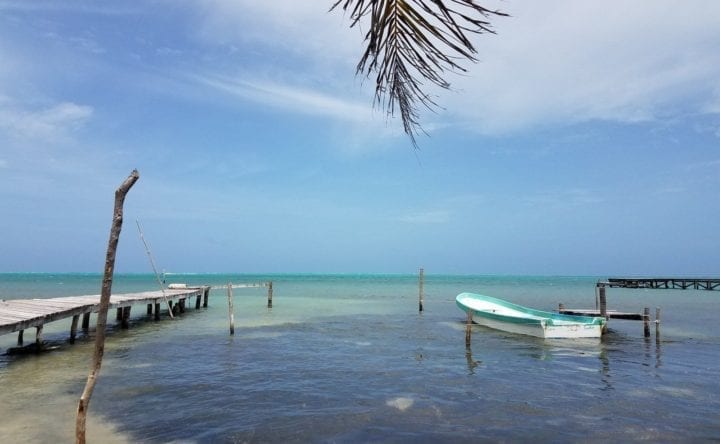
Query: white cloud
[565, 61]
[289, 97]
[55, 121]
[426, 217]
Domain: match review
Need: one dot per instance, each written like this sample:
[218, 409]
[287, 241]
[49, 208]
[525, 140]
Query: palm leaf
[414, 40]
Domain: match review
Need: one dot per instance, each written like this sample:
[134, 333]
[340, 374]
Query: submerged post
[468, 328]
[230, 309]
[646, 322]
[421, 284]
[270, 294]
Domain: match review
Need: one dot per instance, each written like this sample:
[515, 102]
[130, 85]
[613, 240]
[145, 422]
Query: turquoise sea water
[348, 358]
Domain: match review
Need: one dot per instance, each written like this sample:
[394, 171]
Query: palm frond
[411, 41]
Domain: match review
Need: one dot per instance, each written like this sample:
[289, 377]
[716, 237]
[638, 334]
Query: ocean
[348, 358]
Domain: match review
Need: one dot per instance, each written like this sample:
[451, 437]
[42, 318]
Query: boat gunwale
[547, 317]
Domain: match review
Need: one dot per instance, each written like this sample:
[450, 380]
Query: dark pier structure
[710, 284]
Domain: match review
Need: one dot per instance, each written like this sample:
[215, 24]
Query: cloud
[55, 121]
[297, 99]
[557, 62]
[426, 217]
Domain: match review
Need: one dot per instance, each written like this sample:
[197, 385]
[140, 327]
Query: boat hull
[506, 316]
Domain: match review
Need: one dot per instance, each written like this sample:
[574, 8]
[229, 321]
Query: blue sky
[585, 142]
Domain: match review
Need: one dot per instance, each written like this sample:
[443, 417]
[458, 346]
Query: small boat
[503, 315]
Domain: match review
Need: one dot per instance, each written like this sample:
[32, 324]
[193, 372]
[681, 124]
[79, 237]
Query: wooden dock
[664, 283]
[18, 315]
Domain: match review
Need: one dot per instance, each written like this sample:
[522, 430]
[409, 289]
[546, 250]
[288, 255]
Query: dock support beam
[39, 336]
[149, 309]
[125, 321]
[205, 297]
[198, 301]
[86, 321]
[73, 328]
[20, 337]
[157, 311]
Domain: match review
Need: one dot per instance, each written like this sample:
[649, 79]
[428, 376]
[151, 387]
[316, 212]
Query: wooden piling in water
[125, 321]
[149, 309]
[73, 327]
[86, 321]
[206, 294]
[198, 301]
[421, 290]
[603, 306]
[646, 322]
[468, 328]
[157, 311]
[20, 337]
[39, 336]
[231, 311]
[270, 294]
[118, 314]
[657, 322]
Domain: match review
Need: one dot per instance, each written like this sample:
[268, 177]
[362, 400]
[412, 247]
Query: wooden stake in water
[270, 294]
[646, 322]
[230, 309]
[421, 284]
[468, 328]
[657, 322]
[603, 306]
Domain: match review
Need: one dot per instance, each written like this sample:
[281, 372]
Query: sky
[585, 141]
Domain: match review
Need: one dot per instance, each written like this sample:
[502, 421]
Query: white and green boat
[503, 315]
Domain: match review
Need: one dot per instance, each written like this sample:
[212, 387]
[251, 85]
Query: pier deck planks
[20, 314]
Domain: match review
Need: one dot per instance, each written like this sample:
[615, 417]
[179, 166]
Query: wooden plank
[613, 314]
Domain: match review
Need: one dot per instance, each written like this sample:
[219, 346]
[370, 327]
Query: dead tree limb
[83, 405]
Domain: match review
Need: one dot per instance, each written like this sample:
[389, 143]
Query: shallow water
[349, 358]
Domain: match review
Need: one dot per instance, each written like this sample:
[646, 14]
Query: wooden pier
[18, 315]
[665, 283]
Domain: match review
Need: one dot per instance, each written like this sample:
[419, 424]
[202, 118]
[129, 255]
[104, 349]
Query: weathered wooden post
[106, 289]
[125, 321]
[39, 336]
[20, 337]
[157, 311]
[230, 309]
[603, 305]
[149, 309]
[421, 285]
[270, 294]
[86, 321]
[198, 301]
[118, 314]
[206, 295]
[468, 328]
[646, 322]
[73, 327]
[657, 322]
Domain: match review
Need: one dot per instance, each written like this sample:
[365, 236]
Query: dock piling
[421, 291]
[230, 307]
[73, 327]
[20, 337]
[270, 294]
[646, 322]
[86, 321]
[125, 321]
[157, 311]
[468, 328]
[603, 305]
[657, 322]
[39, 336]
[149, 309]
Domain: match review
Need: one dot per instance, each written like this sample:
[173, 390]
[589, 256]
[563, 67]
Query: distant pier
[17, 315]
[668, 283]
